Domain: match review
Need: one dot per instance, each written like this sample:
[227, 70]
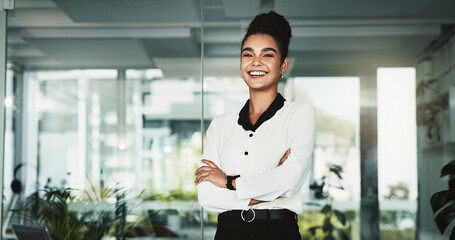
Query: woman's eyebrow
[263, 50]
[247, 49]
[269, 49]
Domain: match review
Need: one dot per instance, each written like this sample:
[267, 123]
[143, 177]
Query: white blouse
[255, 155]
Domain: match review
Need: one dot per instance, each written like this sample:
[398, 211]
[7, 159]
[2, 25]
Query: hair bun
[276, 26]
[271, 21]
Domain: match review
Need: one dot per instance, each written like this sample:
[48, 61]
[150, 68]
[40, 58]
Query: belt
[260, 214]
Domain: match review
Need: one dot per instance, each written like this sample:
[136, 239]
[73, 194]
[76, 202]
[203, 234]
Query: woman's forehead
[260, 41]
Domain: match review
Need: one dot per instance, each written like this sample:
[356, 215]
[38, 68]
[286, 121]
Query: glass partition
[221, 95]
[336, 165]
[170, 149]
[9, 139]
[105, 122]
[110, 128]
[397, 152]
[108, 137]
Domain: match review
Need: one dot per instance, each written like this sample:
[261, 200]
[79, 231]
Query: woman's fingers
[210, 173]
[203, 176]
[254, 202]
[202, 169]
[209, 163]
[213, 175]
[285, 156]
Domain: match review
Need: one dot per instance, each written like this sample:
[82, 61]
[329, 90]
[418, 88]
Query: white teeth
[257, 73]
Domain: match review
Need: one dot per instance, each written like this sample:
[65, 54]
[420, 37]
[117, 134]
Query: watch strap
[229, 182]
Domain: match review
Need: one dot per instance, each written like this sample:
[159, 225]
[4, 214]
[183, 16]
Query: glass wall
[397, 152]
[108, 136]
[109, 128]
[10, 109]
[336, 163]
[110, 125]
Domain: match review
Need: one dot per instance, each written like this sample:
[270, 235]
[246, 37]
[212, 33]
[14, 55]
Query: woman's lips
[257, 73]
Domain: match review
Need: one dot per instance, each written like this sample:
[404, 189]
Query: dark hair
[274, 25]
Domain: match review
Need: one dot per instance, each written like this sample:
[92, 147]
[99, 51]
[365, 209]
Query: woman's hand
[284, 157]
[211, 173]
[254, 202]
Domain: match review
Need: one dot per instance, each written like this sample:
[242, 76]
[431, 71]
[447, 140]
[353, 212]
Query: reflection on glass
[397, 170]
[117, 150]
[171, 147]
[9, 198]
[337, 104]
[222, 95]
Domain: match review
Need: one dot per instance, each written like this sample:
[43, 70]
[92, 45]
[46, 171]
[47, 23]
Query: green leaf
[313, 230]
[337, 170]
[420, 90]
[342, 235]
[329, 237]
[439, 199]
[318, 187]
[452, 235]
[448, 169]
[327, 226]
[340, 217]
[431, 81]
[312, 204]
[326, 209]
[445, 217]
[321, 195]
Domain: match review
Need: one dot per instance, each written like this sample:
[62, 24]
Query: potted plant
[443, 202]
[427, 112]
[334, 221]
[53, 211]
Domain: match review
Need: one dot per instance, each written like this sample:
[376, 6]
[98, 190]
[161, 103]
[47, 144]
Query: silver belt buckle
[254, 215]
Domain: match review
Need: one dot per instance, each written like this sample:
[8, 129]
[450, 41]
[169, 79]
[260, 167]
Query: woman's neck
[259, 102]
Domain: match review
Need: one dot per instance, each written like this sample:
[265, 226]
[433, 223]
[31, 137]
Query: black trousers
[237, 229]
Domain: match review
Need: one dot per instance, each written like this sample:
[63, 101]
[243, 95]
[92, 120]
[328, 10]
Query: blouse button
[246, 153]
[251, 135]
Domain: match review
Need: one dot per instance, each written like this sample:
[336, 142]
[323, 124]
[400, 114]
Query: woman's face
[260, 63]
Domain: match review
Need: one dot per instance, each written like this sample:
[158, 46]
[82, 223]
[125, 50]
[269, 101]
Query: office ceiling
[330, 37]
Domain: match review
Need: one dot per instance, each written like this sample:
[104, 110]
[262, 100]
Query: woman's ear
[284, 65]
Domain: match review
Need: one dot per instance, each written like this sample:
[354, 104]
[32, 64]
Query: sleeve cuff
[241, 190]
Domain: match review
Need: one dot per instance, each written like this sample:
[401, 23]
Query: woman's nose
[257, 61]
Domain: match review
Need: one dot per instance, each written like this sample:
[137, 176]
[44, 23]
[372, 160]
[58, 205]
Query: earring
[281, 75]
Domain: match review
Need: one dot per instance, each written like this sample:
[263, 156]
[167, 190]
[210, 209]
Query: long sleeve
[287, 179]
[211, 197]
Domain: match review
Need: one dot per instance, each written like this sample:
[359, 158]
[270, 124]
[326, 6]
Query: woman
[256, 161]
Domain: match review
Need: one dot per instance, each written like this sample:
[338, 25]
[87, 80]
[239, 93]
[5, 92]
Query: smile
[257, 73]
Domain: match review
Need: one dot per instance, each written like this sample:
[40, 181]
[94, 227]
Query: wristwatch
[229, 181]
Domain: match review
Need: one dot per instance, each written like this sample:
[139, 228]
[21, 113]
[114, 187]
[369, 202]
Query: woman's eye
[268, 55]
[247, 55]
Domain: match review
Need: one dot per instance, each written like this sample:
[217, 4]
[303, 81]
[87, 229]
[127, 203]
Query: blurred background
[107, 102]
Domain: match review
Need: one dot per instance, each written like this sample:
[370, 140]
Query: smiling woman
[255, 161]
[261, 64]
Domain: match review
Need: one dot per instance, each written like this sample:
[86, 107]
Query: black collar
[244, 115]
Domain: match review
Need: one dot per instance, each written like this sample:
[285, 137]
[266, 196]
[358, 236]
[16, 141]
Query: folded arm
[216, 190]
[282, 181]
[214, 196]
[288, 178]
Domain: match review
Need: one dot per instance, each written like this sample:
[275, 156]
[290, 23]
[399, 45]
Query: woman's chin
[260, 85]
